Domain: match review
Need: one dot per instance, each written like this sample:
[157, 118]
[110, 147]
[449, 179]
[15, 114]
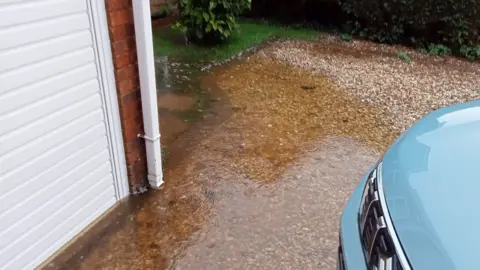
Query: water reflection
[163, 73]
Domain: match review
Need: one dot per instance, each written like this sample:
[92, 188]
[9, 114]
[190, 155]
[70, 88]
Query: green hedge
[323, 11]
[455, 23]
[451, 23]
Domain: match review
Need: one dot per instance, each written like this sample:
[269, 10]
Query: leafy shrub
[451, 25]
[209, 21]
[470, 52]
[346, 37]
[454, 23]
[439, 49]
[404, 56]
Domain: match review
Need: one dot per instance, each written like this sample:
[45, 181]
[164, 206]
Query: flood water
[181, 98]
[262, 157]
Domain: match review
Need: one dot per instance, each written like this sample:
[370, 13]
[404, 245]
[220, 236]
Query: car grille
[378, 247]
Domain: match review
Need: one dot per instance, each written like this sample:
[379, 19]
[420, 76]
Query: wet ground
[181, 98]
[262, 156]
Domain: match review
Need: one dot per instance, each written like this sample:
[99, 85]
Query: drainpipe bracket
[150, 139]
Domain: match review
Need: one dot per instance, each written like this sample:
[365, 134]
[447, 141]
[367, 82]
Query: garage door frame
[103, 53]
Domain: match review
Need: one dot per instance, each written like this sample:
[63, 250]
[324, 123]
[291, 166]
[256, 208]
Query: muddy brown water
[258, 182]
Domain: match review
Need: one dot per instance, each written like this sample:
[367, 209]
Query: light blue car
[418, 207]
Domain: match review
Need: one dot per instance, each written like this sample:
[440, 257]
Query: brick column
[122, 38]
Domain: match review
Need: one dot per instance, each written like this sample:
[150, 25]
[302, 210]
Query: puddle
[174, 75]
[181, 99]
[175, 102]
[257, 182]
[171, 127]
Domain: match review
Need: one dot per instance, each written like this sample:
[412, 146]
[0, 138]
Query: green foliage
[453, 23]
[470, 52]
[165, 153]
[209, 21]
[346, 37]
[251, 33]
[438, 49]
[404, 56]
[166, 10]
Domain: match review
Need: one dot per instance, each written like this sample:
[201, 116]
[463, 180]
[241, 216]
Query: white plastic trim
[104, 57]
[146, 66]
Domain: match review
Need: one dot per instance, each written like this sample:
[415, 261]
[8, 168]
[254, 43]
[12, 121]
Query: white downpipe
[146, 66]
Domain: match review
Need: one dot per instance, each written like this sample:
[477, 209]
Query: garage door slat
[101, 204]
[40, 71]
[23, 174]
[48, 124]
[75, 225]
[39, 31]
[9, 199]
[23, 215]
[21, 97]
[34, 11]
[42, 144]
[47, 106]
[62, 222]
[44, 50]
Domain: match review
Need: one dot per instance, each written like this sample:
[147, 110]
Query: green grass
[165, 153]
[346, 37]
[171, 43]
[404, 56]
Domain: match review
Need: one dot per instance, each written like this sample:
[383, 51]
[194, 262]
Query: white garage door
[61, 163]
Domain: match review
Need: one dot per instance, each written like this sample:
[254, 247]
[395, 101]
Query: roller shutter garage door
[57, 157]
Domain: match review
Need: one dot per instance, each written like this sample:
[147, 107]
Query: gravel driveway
[289, 224]
[260, 182]
[374, 74]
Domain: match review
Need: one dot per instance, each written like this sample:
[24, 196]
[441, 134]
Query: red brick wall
[122, 38]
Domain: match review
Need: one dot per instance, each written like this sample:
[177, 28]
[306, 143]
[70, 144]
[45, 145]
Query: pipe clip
[149, 138]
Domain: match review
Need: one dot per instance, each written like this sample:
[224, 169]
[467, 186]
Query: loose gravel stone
[373, 73]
